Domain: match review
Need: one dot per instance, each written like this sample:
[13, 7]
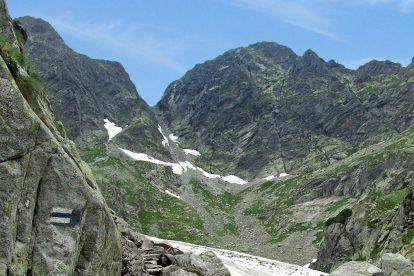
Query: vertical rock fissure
[35, 210]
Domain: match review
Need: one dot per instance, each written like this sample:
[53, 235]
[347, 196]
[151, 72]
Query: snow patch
[313, 261]
[176, 168]
[172, 194]
[111, 128]
[187, 165]
[208, 175]
[284, 175]
[173, 137]
[145, 157]
[164, 142]
[270, 177]
[234, 179]
[240, 264]
[192, 152]
[181, 167]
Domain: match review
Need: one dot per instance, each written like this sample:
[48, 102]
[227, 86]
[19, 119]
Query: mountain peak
[376, 68]
[41, 30]
[310, 54]
[313, 62]
[103, 89]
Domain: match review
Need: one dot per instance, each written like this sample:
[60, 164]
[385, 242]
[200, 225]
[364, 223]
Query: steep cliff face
[53, 218]
[83, 91]
[262, 109]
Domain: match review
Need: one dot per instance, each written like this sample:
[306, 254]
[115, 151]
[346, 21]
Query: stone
[396, 265]
[206, 264]
[147, 244]
[173, 270]
[357, 269]
[336, 248]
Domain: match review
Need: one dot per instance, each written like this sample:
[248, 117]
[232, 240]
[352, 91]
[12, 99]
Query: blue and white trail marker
[61, 216]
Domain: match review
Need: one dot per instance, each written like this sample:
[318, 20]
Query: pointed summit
[310, 54]
[313, 62]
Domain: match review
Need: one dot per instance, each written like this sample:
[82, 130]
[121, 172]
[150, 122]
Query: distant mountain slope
[262, 109]
[83, 91]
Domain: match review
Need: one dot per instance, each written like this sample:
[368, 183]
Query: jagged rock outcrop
[367, 233]
[263, 109]
[53, 219]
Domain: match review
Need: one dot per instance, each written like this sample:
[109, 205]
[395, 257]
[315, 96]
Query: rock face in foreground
[53, 219]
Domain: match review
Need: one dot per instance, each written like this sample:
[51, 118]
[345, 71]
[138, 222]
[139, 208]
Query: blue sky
[158, 40]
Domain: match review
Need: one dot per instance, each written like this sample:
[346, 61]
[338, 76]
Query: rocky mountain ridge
[262, 109]
[73, 93]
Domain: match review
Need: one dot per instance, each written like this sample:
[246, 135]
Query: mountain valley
[262, 151]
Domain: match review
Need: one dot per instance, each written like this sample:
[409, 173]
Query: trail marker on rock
[64, 216]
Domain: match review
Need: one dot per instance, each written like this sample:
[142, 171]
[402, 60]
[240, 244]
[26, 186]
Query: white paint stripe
[59, 220]
[62, 210]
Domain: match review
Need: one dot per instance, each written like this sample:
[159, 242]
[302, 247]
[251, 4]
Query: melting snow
[270, 177]
[173, 137]
[240, 264]
[172, 194]
[187, 165]
[165, 140]
[111, 128]
[313, 261]
[192, 152]
[234, 179]
[145, 157]
[180, 167]
[177, 169]
[208, 175]
[284, 175]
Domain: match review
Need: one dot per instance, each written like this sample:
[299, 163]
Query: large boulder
[357, 269]
[336, 249]
[205, 264]
[396, 265]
